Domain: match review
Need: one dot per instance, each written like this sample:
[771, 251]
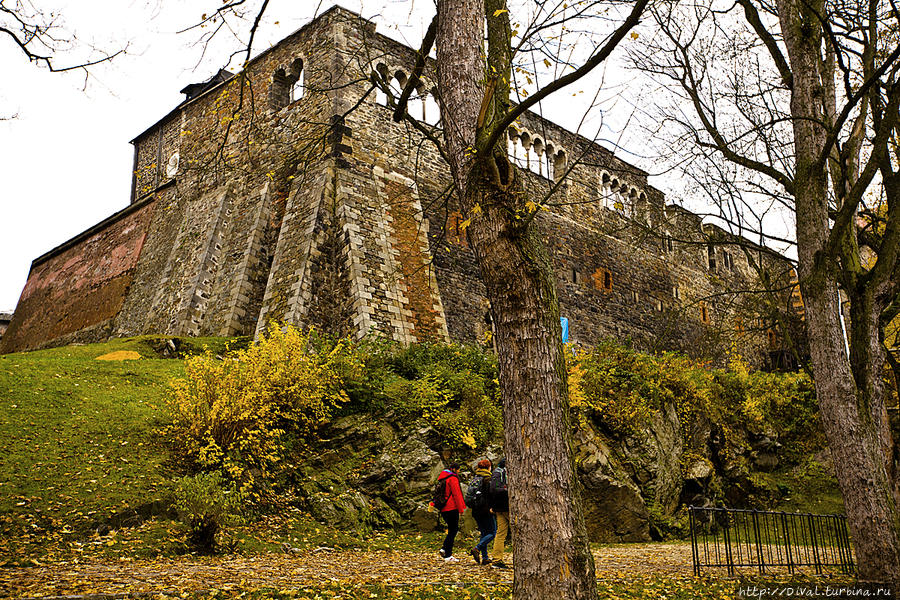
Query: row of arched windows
[619, 195]
[529, 151]
[422, 104]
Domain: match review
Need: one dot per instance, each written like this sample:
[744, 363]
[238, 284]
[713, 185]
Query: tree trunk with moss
[849, 388]
[552, 555]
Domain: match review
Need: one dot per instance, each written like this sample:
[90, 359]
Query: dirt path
[284, 571]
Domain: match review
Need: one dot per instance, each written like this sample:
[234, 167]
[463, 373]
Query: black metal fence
[769, 541]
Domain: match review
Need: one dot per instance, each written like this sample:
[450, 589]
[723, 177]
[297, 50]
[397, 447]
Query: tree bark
[552, 555]
[849, 389]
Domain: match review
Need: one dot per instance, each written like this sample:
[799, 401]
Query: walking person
[478, 496]
[448, 499]
[500, 506]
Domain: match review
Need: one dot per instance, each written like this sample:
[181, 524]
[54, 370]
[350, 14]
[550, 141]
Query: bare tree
[794, 105]
[43, 39]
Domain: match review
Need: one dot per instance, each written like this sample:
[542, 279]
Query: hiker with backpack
[448, 500]
[500, 506]
[478, 498]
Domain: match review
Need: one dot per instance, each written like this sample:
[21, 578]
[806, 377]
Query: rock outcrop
[374, 473]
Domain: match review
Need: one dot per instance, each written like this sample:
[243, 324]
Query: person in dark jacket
[500, 506]
[483, 514]
[455, 506]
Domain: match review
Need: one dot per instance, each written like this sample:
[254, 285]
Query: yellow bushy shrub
[241, 414]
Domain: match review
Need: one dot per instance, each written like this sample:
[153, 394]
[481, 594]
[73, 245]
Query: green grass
[78, 448]
[809, 488]
[76, 438]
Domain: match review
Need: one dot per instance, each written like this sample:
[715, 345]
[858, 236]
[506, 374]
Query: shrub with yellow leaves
[243, 414]
[620, 389]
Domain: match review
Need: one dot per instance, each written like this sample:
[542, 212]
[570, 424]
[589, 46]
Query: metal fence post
[787, 543]
[725, 532]
[815, 544]
[695, 551]
[760, 561]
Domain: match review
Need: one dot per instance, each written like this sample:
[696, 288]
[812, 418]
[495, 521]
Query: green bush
[452, 387]
[206, 503]
[620, 389]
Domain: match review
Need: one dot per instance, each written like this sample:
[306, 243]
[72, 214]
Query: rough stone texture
[256, 206]
[5, 318]
[652, 459]
[614, 509]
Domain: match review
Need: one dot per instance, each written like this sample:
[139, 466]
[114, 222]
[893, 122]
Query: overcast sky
[65, 156]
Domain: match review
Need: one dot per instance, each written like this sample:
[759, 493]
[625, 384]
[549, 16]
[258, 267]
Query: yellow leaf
[464, 224]
[531, 206]
[634, 35]
[547, 62]
[476, 210]
[499, 12]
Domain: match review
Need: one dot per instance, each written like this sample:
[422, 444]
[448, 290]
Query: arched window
[668, 245]
[517, 152]
[297, 87]
[432, 109]
[380, 74]
[415, 106]
[536, 156]
[559, 163]
[287, 85]
[605, 191]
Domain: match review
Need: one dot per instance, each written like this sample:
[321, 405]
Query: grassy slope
[77, 447]
[76, 438]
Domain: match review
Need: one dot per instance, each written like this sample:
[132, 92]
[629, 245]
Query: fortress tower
[288, 193]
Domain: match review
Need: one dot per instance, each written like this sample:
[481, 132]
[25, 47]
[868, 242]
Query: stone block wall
[281, 202]
[81, 285]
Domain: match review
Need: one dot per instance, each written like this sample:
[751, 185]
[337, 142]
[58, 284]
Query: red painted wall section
[80, 287]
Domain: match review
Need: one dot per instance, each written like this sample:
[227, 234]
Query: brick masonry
[257, 201]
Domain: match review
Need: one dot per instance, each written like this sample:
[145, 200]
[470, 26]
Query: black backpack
[475, 496]
[498, 481]
[441, 494]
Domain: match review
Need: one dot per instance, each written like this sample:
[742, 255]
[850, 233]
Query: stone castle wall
[257, 203]
[79, 288]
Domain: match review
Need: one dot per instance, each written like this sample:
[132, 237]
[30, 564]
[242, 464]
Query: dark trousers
[488, 528]
[451, 517]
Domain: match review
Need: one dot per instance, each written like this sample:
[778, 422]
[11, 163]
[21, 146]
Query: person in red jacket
[451, 511]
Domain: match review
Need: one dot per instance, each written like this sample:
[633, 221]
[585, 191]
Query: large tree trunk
[854, 420]
[851, 407]
[552, 558]
[552, 554]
